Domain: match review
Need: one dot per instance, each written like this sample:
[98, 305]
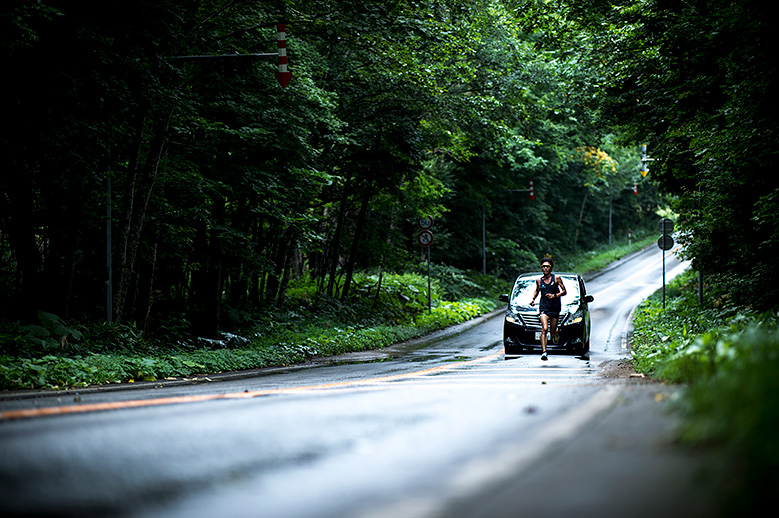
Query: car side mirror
[588, 299]
[503, 298]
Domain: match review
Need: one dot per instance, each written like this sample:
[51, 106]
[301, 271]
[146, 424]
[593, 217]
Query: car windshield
[525, 286]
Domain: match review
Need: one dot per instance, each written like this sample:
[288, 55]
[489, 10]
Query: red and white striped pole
[532, 194]
[283, 75]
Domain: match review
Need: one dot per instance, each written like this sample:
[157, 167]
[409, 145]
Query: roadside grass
[386, 310]
[276, 349]
[727, 360]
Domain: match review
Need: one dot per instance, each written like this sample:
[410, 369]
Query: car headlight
[514, 318]
[574, 317]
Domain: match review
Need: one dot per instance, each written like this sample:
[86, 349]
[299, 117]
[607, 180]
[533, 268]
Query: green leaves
[51, 334]
[698, 85]
[728, 359]
[225, 187]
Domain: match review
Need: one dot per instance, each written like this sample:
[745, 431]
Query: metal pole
[429, 297]
[483, 241]
[110, 282]
[663, 279]
[223, 56]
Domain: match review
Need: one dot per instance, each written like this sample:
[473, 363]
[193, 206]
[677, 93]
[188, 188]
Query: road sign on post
[665, 242]
[665, 226]
[425, 239]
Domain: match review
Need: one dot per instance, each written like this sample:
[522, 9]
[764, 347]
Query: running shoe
[543, 356]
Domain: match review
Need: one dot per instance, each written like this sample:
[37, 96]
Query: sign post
[665, 242]
[425, 239]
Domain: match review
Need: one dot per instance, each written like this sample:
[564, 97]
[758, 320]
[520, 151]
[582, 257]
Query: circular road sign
[665, 242]
[425, 222]
[425, 238]
[665, 226]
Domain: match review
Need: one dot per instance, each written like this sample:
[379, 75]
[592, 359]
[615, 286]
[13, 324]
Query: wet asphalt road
[445, 426]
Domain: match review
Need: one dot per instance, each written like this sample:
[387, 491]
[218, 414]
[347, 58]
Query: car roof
[538, 274]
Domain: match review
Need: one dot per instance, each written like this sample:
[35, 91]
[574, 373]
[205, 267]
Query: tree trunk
[579, 223]
[335, 246]
[135, 215]
[147, 289]
[275, 254]
[285, 272]
[366, 196]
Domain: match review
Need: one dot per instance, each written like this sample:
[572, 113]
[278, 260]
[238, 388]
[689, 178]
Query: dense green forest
[155, 172]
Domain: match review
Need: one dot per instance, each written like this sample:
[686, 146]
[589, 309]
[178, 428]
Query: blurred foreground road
[439, 427]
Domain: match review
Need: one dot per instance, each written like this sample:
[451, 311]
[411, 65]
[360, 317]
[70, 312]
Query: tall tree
[697, 81]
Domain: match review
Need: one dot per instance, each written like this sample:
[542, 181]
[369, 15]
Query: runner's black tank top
[549, 304]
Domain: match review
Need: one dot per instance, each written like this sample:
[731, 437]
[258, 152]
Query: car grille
[532, 319]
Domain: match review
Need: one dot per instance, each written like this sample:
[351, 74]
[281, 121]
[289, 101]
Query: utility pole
[109, 303]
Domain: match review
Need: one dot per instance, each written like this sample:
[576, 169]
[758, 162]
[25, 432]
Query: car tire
[582, 348]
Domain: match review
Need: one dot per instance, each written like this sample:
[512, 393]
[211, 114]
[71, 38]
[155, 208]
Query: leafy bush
[51, 334]
[285, 338]
[456, 284]
[733, 402]
[660, 333]
[729, 359]
[396, 294]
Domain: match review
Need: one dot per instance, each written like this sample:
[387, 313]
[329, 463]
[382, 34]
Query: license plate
[538, 335]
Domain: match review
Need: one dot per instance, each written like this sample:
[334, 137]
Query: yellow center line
[116, 405]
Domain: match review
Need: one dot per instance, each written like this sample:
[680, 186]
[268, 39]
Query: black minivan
[522, 325]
